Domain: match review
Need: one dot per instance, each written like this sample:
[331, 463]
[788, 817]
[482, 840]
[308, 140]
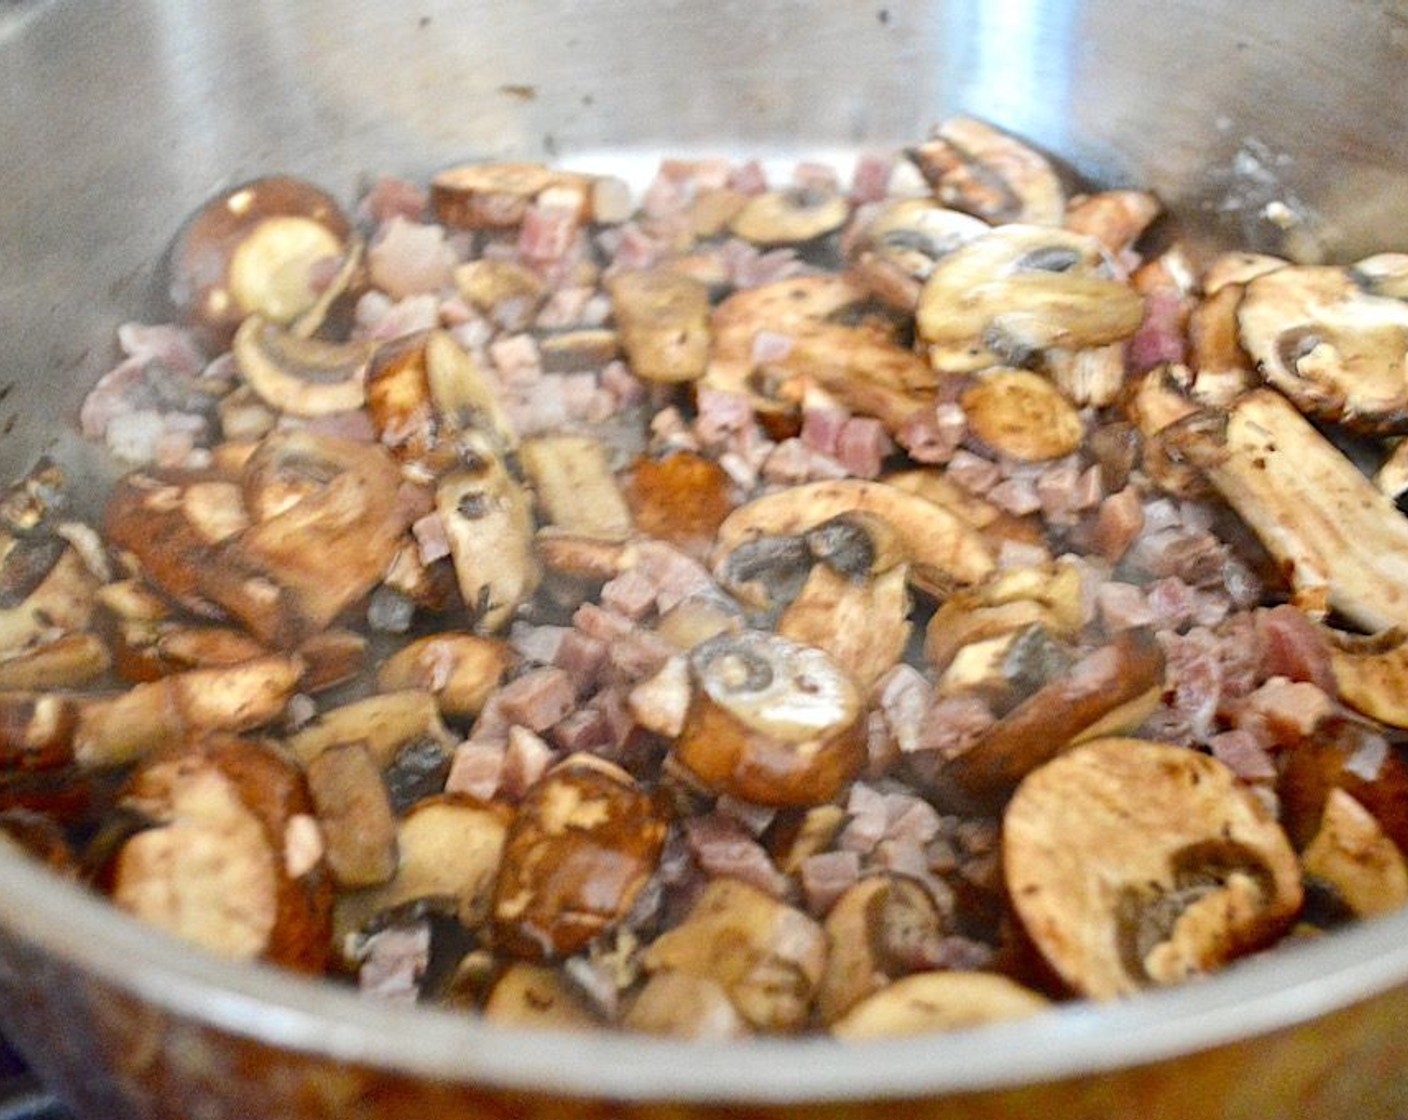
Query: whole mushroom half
[1133, 864]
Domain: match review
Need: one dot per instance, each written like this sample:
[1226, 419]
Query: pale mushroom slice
[1383, 274]
[537, 997]
[768, 957]
[790, 217]
[460, 670]
[575, 487]
[683, 1005]
[1341, 542]
[980, 170]
[1371, 674]
[1117, 218]
[1340, 353]
[663, 320]
[488, 520]
[301, 376]
[1019, 290]
[1134, 864]
[1352, 853]
[926, 1002]
[914, 234]
[771, 721]
[943, 550]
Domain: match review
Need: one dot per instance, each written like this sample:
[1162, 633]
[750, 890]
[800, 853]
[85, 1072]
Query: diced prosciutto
[1119, 523]
[393, 962]
[1159, 339]
[723, 848]
[871, 180]
[1244, 754]
[862, 445]
[825, 877]
[674, 575]
[541, 644]
[1122, 606]
[1291, 710]
[1293, 647]
[632, 593]
[904, 696]
[868, 819]
[1018, 495]
[721, 415]
[547, 232]
[582, 657]
[633, 248]
[586, 730]
[408, 258]
[476, 768]
[526, 758]
[792, 462]
[972, 472]
[381, 319]
[749, 178]
[432, 543]
[952, 726]
[169, 346]
[537, 699]
[934, 437]
[599, 623]
[516, 358]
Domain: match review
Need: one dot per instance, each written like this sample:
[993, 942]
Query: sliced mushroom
[861, 620]
[1117, 219]
[1022, 415]
[914, 234]
[449, 850]
[497, 195]
[1238, 270]
[506, 289]
[488, 522]
[771, 722]
[683, 1005]
[1352, 853]
[1005, 669]
[115, 730]
[767, 956]
[590, 348]
[944, 551]
[1134, 864]
[884, 927]
[1111, 690]
[301, 376]
[464, 398]
[254, 250]
[36, 730]
[68, 661]
[337, 526]
[663, 320]
[939, 1001]
[1093, 377]
[354, 811]
[682, 498]
[386, 723]
[1221, 368]
[1159, 401]
[1383, 274]
[1371, 674]
[61, 602]
[1340, 542]
[975, 168]
[574, 485]
[536, 997]
[460, 670]
[1338, 352]
[790, 217]
[1016, 291]
[222, 866]
[582, 845]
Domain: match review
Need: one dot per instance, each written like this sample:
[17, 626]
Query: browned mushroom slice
[583, 843]
[301, 376]
[1111, 690]
[1384, 274]
[1006, 668]
[1022, 415]
[575, 488]
[944, 551]
[115, 730]
[977, 169]
[40, 838]
[884, 927]
[1221, 368]
[771, 721]
[68, 661]
[488, 522]
[36, 730]
[683, 1005]
[767, 956]
[790, 217]
[663, 320]
[253, 249]
[332, 658]
[939, 1001]
[913, 234]
[568, 351]
[860, 368]
[1238, 270]
[682, 498]
[234, 863]
[449, 850]
[1016, 291]
[398, 400]
[497, 195]
[780, 308]
[464, 397]
[935, 486]
[331, 525]
[459, 670]
[1338, 352]
[1158, 402]
[537, 997]
[1349, 755]
[386, 723]
[1340, 542]
[1352, 853]
[1371, 674]
[354, 811]
[1117, 219]
[1093, 377]
[1134, 864]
